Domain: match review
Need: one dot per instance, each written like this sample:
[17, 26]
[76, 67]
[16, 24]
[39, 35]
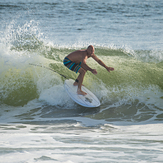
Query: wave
[133, 91]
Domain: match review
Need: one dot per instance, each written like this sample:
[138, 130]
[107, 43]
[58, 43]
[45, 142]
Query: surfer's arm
[102, 63]
[87, 68]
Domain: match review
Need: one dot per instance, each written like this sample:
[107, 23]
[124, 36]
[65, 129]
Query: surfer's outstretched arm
[102, 63]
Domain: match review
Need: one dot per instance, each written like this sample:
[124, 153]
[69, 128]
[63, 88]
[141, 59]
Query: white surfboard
[89, 100]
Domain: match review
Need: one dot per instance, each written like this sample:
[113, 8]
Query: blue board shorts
[72, 65]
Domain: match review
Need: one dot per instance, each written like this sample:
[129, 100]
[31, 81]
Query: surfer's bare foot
[80, 92]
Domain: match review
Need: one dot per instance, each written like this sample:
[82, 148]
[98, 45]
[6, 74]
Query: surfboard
[89, 100]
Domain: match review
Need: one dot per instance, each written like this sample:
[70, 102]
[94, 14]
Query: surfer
[76, 61]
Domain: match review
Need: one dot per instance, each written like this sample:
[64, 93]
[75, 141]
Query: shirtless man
[76, 61]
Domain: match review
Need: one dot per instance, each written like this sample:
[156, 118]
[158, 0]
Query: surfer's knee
[82, 71]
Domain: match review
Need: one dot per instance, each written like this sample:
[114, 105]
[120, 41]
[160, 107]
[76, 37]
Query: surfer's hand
[94, 71]
[110, 69]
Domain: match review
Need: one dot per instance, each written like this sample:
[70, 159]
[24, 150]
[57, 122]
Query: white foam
[55, 95]
[109, 143]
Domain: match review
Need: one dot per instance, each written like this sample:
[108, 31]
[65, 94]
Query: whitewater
[39, 122]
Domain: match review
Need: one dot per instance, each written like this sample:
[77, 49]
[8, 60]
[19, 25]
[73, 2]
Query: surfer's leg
[76, 67]
[77, 81]
[80, 81]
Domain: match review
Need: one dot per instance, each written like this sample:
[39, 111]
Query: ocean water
[38, 120]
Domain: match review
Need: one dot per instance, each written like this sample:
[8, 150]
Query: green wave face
[133, 74]
[29, 79]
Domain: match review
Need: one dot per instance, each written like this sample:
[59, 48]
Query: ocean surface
[38, 120]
